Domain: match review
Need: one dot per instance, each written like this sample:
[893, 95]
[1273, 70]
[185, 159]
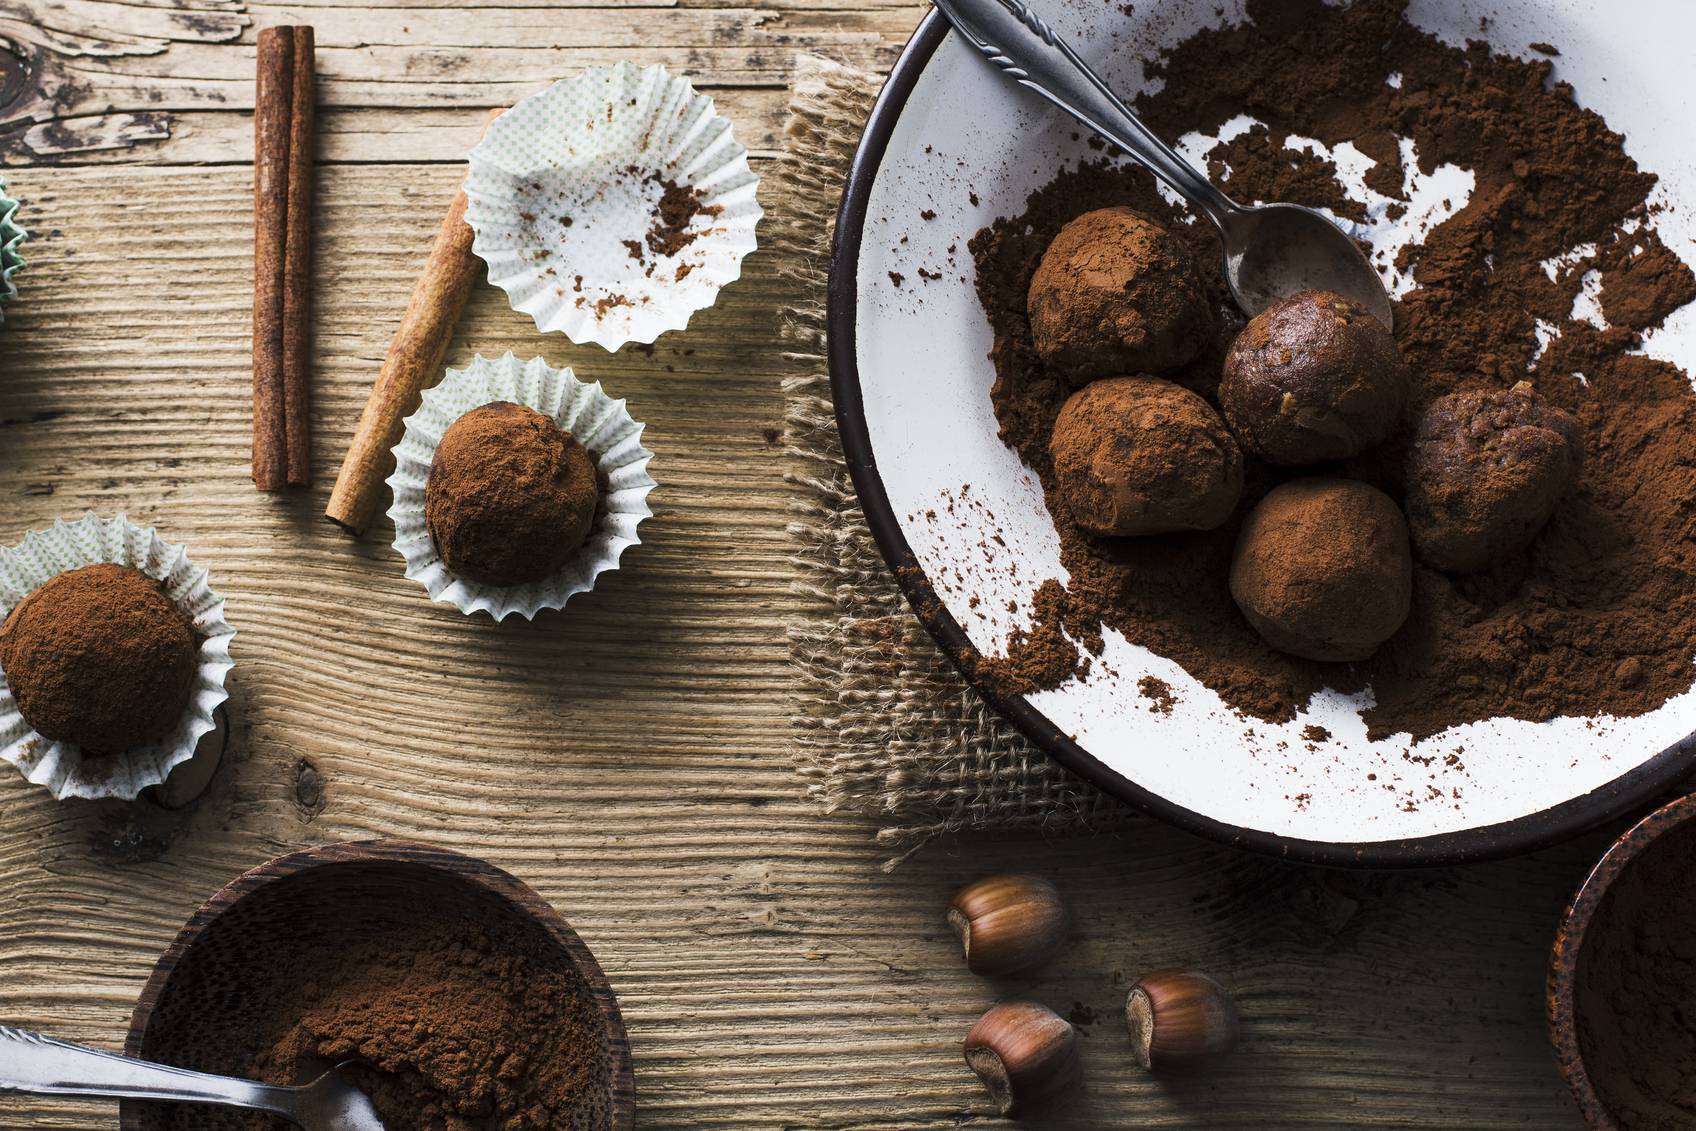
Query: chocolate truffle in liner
[1139, 455]
[1484, 474]
[1116, 293]
[100, 657]
[1322, 569]
[1311, 378]
[511, 495]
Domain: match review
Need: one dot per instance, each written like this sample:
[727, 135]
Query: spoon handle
[1035, 56]
[30, 1062]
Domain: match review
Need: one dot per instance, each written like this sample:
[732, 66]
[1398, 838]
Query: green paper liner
[12, 237]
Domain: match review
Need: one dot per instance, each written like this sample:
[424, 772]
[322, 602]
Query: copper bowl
[422, 872]
[1569, 952]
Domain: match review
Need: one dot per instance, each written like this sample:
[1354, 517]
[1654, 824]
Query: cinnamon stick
[272, 95]
[297, 262]
[414, 359]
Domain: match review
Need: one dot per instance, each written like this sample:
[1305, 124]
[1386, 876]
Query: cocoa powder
[453, 1013]
[1598, 614]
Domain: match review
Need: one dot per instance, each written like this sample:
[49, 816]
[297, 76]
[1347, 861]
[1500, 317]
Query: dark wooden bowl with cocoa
[1638, 886]
[224, 965]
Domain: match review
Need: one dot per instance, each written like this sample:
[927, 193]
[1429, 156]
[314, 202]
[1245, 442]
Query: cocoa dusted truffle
[1116, 293]
[1138, 455]
[1322, 569]
[1313, 377]
[1484, 474]
[100, 657]
[511, 495]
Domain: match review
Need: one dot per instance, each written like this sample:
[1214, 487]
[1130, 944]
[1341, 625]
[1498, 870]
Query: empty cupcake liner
[44, 554]
[600, 424]
[11, 241]
[612, 206]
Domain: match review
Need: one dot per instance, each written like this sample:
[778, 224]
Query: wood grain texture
[172, 82]
[628, 757]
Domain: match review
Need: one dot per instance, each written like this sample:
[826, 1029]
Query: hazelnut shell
[1008, 923]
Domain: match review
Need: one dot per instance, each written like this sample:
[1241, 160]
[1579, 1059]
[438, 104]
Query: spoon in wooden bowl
[30, 1062]
[1272, 251]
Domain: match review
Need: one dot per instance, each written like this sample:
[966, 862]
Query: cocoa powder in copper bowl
[1622, 980]
[458, 997]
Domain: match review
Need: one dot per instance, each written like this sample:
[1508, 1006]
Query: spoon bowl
[330, 1103]
[1277, 250]
[1272, 251]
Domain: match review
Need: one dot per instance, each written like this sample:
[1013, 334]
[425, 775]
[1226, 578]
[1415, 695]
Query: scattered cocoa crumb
[674, 213]
[1158, 690]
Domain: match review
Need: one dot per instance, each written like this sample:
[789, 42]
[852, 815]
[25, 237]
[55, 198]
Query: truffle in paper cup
[44, 554]
[11, 239]
[612, 206]
[600, 424]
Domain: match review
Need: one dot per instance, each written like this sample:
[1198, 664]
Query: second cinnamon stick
[414, 360]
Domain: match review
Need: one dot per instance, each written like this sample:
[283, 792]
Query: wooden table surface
[630, 757]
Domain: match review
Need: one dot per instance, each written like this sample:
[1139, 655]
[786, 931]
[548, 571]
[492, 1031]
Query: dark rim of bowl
[497, 882]
[1627, 793]
[1561, 990]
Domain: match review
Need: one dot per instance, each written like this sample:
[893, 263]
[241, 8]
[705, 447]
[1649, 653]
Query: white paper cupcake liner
[11, 240]
[43, 555]
[563, 192]
[600, 424]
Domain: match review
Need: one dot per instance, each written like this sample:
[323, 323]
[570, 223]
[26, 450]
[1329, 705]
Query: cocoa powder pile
[1635, 990]
[1597, 615]
[455, 1015]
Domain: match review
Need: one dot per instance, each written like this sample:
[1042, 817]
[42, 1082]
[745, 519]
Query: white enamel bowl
[911, 379]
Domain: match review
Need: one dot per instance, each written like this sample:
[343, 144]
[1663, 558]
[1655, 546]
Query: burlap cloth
[885, 726]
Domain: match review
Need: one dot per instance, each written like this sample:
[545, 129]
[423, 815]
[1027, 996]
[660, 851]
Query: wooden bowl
[1562, 994]
[420, 871]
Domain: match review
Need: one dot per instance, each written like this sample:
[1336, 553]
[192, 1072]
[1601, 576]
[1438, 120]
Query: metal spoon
[1272, 251]
[30, 1062]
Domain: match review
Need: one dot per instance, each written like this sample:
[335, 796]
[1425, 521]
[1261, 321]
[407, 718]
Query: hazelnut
[1008, 924]
[1180, 1019]
[1025, 1054]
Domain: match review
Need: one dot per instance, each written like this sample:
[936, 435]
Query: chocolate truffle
[1138, 455]
[1322, 569]
[100, 657]
[1313, 377]
[1116, 293]
[1484, 474]
[511, 495]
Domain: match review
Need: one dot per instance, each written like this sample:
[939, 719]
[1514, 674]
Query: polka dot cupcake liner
[12, 237]
[600, 424]
[612, 206]
[61, 767]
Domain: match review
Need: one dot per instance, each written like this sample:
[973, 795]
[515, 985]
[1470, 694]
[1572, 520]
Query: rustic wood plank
[112, 80]
[345, 136]
[630, 756]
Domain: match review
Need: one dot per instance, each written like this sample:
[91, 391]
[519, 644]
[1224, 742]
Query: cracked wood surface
[629, 757]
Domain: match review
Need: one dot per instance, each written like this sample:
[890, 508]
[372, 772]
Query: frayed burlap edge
[885, 727]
